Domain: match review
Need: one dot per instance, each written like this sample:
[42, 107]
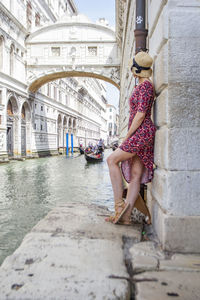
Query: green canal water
[29, 189]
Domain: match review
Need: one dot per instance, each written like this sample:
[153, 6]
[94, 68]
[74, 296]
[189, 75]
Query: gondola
[93, 157]
[81, 150]
[115, 146]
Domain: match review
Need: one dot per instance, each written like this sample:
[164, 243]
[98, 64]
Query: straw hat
[141, 65]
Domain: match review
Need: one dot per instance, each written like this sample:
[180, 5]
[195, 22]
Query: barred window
[92, 51]
[55, 51]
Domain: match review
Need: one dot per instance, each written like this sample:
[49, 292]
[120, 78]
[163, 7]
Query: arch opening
[38, 83]
[25, 129]
[12, 110]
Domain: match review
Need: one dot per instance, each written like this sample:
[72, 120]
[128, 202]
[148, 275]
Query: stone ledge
[72, 252]
[162, 273]
[167, 285]
[180, 262]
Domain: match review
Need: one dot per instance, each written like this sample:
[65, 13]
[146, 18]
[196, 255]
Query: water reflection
[29, 189]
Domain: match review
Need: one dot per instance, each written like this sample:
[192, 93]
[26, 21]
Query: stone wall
[173, 43]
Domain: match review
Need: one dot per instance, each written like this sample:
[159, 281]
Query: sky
[95, 9]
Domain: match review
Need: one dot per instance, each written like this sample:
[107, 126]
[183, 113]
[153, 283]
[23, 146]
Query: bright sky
[95, 9]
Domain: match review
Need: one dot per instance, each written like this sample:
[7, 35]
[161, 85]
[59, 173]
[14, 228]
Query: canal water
[29, 189]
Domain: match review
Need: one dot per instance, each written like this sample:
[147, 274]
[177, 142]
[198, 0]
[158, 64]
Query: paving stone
[168, 285]
[181, 262]
[147, 248]
[144, 263]
[70, 254]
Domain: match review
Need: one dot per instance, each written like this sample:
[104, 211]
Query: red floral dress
[142, 140]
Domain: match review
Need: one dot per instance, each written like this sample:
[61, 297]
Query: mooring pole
[72, 145]
[67, 144]
[140, 31]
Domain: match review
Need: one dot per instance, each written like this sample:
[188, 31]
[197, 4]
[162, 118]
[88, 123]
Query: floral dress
[142, 140]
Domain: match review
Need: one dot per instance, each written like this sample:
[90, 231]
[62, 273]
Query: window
[35, 126]
[55, 92]
[35, 105]
[110, 125]
[110, 117]
[47, 109]
[110, 109]
[66, 100]
[60, 96]
[41, 127]
[92, 51]
[41, 108]
[55, 51]
[0, 97]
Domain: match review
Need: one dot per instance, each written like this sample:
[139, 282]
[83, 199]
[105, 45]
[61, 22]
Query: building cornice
[47, 9]
[12, 83]
[12, 18]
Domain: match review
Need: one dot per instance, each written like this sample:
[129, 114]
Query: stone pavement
[70, 254]
[74, 254]
[163, 276]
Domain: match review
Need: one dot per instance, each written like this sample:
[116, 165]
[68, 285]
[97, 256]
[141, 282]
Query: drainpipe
[140, 31]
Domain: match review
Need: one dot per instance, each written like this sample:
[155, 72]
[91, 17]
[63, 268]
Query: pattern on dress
[142, 140]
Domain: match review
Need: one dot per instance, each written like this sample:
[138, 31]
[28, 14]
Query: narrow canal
[29, 189]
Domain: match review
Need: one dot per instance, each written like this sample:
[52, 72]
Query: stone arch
[13, 104]
[25, 129]
[74, 124]
[12, 126]
[59, 120]
[65, 122]
[59, 131]
[27, 110]
[70, 123]
[42, 79]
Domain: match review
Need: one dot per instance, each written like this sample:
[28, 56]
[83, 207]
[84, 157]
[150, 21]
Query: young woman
[136, 151]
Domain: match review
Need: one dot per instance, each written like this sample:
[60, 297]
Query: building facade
[113, 123]
[37, 124]
[173, 42]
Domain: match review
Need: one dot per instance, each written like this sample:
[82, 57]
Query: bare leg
[115, 173]
[134, 185]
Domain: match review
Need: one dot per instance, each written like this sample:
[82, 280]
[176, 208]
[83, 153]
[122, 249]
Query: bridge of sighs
[72, 47]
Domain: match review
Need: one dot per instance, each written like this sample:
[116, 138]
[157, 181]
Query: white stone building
[173, 41]
[113, 123]
[37, 123]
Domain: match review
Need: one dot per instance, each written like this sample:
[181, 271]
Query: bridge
[72, 47]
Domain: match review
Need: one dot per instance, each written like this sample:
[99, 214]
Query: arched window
[1, 52]
[23, 114]
[11, 60]
[9, 108]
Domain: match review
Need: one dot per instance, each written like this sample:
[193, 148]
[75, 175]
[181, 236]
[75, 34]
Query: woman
[136, 151]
